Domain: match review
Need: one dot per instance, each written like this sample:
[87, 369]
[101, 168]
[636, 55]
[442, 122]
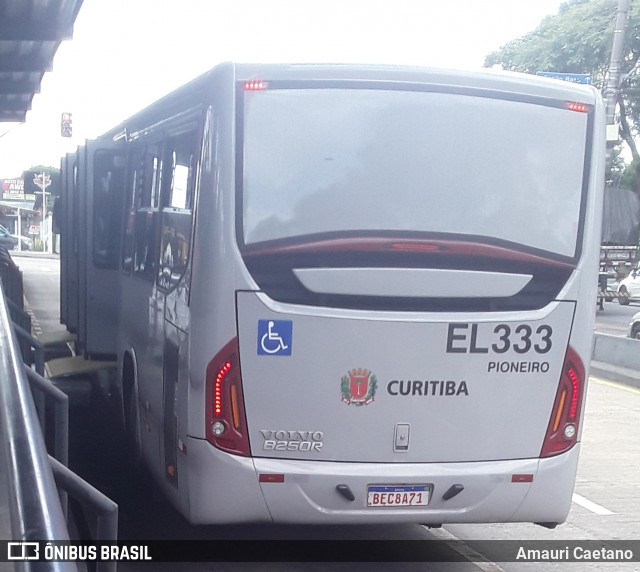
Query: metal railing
[38, 512]
[34, 504]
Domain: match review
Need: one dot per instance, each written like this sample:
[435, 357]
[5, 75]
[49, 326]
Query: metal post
[612, 90]
[105, 510]
[44, 210]
[19, 229]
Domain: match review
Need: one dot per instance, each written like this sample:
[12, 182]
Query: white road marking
[464, 550]
[590, 505]
[614, 385]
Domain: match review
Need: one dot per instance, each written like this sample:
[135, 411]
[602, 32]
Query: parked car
[10, 241]
[634, 327]
[629, 288]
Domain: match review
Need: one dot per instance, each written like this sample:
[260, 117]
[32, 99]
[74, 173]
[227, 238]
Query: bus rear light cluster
[226, 425]
[562, 432]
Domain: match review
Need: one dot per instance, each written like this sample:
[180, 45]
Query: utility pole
[612, 90]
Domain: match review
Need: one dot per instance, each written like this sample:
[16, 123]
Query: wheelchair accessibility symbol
[275, 337]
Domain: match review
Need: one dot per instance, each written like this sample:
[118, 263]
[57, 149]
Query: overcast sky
[126, 54]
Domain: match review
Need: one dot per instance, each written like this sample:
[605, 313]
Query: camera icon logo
[23, 551]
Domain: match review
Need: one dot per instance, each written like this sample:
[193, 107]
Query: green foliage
[618, 167]
[40, 169]
[576, 40]
[38, 245]
[30, 186]
[579, 40]
[631, 177]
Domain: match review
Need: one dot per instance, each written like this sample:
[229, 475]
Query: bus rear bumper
[226, 488]
[495, 491]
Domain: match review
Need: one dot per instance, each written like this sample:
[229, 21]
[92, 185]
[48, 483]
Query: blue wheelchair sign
[275, 337]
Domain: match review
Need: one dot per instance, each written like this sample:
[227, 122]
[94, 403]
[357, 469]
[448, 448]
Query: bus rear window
[335, 160]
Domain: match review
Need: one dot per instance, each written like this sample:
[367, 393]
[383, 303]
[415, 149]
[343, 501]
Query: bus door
[62, 222]
[180, 152]
[101, 205]
[79, 246]
[156, 249]
[69, 241]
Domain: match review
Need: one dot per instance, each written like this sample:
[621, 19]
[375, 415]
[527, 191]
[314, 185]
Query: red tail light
[564, 425]
[226, 424]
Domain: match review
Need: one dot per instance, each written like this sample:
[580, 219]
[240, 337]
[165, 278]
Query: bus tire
[131, 413]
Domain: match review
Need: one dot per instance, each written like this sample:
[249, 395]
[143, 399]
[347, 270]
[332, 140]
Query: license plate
[398, 495]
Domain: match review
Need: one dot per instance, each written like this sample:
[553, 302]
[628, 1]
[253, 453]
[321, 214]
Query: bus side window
[107, 192]
[177, 209]
[146, 210]
[58, 217]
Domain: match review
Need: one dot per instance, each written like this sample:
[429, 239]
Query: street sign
[42, 180]
[584, 78]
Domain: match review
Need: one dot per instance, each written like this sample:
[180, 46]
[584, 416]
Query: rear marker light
[580, 107]
[521, 478]
[255, 85]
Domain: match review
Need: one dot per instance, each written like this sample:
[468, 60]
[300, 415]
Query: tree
[28, 178]
[578, 40]
[30, 186]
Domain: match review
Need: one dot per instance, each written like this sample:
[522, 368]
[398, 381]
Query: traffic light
[66, 128]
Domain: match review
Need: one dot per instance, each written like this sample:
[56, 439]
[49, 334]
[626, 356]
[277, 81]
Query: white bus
[349, 294]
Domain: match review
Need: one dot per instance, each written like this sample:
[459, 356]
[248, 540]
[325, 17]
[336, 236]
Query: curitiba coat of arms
[358, 387]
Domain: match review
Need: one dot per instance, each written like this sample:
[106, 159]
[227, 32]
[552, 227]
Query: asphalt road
[606, 501]
[614, 319]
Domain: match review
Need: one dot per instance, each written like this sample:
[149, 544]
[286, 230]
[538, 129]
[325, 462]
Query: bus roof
[194, 92]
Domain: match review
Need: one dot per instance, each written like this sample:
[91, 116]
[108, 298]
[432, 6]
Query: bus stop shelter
[30, 33]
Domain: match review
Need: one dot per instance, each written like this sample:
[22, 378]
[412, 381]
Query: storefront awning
[25, 207]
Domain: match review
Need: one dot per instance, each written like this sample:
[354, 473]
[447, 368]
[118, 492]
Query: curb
[615, 373]
[30, 254]
[616, 358]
